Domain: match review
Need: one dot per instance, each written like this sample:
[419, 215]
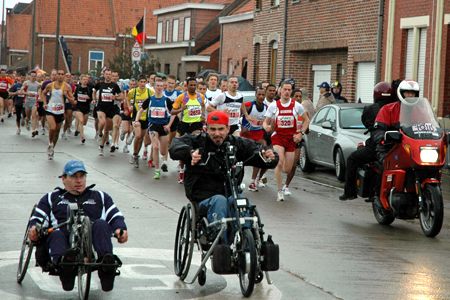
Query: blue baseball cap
[324, 85]
[72, 167]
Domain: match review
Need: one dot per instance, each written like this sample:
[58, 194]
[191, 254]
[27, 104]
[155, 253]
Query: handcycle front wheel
[25, 252]
[246, 250]
[184, 241]
[86, 256]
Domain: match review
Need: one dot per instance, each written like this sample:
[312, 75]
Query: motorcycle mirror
[393, 136]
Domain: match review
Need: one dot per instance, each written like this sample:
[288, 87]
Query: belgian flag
[138, 31]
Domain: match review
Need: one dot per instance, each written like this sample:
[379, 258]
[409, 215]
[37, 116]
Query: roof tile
[210, 49]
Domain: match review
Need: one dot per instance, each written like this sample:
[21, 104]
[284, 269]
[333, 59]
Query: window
[167, 30]
[273, 62]
[175, 30]
[167, 69]
[179, 72]
[159, 32]
[320, 116]
[244, 68]
[187, 29]
[96, 59]
[416, 42]
[274, 2]
[257, 56]
[331, 117]
[258, 4]
[230, 66]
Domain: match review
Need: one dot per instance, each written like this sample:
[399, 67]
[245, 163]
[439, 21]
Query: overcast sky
[11, 4]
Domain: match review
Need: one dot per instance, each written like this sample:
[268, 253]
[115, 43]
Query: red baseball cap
[218, 117]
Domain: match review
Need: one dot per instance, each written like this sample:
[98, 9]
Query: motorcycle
[411, 179]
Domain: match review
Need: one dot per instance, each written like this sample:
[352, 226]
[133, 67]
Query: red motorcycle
[411, 179]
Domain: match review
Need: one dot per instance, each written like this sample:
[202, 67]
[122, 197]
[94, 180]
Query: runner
[202, 87]
[83, 95]
[254, 131]
[126, 110]
[41, 111]
[285, 136]
[192, 106]
[43, 98]
[117, 119]
[271, 91]
[68, 109]
[151, 80]
[106, 108]
[223, 85]
[30, 89]
[138, 96]
[54, 109]
[10, 101]
[19, 100]
[5, 84]
[212, 80]
[158, 124]
[171, 93]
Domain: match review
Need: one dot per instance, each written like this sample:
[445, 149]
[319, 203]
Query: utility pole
[57, 35]
[33, 39]
[3, 33]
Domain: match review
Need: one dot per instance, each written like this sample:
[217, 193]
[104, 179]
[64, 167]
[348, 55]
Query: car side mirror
[327, 125]
[393, 136]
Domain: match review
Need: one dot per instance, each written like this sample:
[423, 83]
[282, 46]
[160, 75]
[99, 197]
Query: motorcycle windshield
[417, 119]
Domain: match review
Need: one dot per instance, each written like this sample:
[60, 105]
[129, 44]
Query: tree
[122, 63]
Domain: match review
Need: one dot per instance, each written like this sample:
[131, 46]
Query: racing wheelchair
[80, 239]
[249, 255]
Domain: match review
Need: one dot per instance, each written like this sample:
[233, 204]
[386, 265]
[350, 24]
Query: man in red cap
[204, 176]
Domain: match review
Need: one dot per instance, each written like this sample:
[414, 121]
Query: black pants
[358, 158]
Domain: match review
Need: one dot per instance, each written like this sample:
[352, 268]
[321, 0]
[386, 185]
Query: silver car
[335, 131]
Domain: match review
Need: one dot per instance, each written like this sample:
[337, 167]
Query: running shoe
[180, 179]
[261, 183]
[150, 164]
[157, 175]
[286, 190]
[125, 149]
[22, 123]
[280, 196]
[63, 135]
[113, 148]
[100, 151]
[131, 159]
[69, 131]
[1, 119]
[144, 157]
[136, 161]
[122, 136]
[107, 140]
[34, 133]
[77, 132]
[96, 135]
[18, 131]
[50, 152]
[130, 139]
[83, 140]
[9, 115]
[43, 131]
[264, 178]
[28, 125]
[164, 166]
[252, 187]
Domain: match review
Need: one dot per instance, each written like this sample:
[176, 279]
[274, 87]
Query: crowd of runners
[152, 110]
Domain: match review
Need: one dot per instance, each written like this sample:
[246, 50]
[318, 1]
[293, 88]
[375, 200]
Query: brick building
[17, 46]
[325, 41]
[416, 46]
[236, 41]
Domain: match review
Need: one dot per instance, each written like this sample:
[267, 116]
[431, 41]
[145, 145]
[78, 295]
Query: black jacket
[204, 181]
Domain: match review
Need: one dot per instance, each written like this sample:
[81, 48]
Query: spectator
[336, 89]
[307, 103]
[325, 96]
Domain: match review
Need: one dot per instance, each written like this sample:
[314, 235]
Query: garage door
[321, 73]
[365, 78]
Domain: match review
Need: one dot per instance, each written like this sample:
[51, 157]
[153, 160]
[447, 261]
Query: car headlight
[429, 154]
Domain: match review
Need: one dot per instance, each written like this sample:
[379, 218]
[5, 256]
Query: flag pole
[143, 40]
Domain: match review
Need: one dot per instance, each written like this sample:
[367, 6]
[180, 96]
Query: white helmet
[408, 85]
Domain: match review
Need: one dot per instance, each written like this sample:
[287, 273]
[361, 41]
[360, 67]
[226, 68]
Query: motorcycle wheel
[383, 217]
[432, 216]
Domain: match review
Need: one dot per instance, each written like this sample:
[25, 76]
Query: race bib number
[157, 112]
[194, 111]
[234, 113]
[285, 121]
[107, 97]
[57, 107]
[3, 86]
[82, 97]
[259, 122]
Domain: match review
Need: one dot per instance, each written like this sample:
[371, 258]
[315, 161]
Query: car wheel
[339, 164]
[305, 164]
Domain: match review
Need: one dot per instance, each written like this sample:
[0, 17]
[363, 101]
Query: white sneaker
[28, 126]
[130, 139]
[122, 136]
[100, 151]
[18, 131]
[63, 135]
[50, 152]
[69, 131]
[43, 131]
[144, 156]
[96, 135]
[125, 149]
[280, 196]
[260, 183]
[131, 159]
[286, 190]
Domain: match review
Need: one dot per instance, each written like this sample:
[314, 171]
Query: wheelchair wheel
[184, 241]
[246, 261]
[25, 252]
[86, 256]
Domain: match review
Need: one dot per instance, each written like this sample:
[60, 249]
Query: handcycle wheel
[184, 241]
[25, 252]
[85, 271]
[246, 262]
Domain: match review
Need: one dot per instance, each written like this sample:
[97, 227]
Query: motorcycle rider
[336, 89]
[382, 95]
[389, 119]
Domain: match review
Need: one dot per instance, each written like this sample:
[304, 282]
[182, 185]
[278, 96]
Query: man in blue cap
[325, 96]
[52, 210]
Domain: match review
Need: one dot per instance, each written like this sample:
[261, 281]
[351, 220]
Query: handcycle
[249, 256]
[80, 239]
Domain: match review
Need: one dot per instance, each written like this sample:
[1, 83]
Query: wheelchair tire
[86, 256]
[25, 252]
[184, 241]
[246, 262]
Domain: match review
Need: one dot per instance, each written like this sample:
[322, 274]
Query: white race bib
[107, 97]
[157, 112]
[285, 121]
[194, 111]
[57, 107]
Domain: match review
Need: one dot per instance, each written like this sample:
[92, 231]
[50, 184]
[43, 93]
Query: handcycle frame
[80, 239]
[248, 257]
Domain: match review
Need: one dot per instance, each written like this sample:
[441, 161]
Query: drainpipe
[379, 42]
[220, 52]
[33, 38]
[284, 38]
[57, 36]
[390, 41]
[42, 53]
[437, 55]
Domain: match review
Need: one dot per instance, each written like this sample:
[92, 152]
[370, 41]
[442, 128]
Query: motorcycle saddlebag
[221, 260]
[271, 255]
[364, 179]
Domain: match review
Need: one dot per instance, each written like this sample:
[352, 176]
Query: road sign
[136, 45]
[136, 52]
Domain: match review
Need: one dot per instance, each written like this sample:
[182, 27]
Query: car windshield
[351, 118]
[417, 119]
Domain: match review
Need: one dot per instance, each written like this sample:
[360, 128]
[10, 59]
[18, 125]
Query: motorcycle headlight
[429, 154]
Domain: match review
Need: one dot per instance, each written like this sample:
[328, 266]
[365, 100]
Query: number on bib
[285, 121]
